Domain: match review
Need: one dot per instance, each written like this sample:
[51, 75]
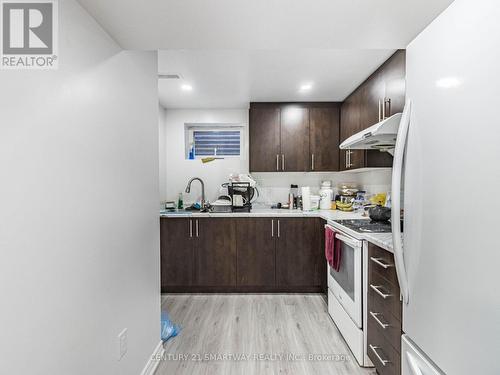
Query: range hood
[381, 136]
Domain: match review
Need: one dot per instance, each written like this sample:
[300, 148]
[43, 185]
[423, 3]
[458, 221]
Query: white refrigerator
[447, 160]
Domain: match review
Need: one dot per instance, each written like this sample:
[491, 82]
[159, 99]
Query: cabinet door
[372, 93]
[324, 138]
[176, 253]
[264, 130]
[394, 72]
[297, 260]
[350, 124]
[256, 252]
[215, 252]
[294, 139]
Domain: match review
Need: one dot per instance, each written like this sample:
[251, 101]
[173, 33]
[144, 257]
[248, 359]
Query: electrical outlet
[122, 344]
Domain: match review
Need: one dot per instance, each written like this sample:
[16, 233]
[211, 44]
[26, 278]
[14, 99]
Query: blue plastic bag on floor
[168, 329]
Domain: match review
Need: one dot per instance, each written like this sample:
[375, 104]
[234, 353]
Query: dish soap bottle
[191, 155]
[180, 202]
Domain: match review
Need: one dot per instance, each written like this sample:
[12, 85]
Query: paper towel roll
[306, 198]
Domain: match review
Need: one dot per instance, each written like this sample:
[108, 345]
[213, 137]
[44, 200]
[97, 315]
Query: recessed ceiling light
[448, 82]
[186, 87]
[305, 87]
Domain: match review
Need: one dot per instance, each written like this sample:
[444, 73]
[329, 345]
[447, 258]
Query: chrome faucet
[203, 201]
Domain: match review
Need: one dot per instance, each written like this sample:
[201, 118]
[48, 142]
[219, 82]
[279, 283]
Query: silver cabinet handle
[379, 110]
[375, 316]
[383, 109]
[283, 162]
[312, 162]
[378, 261]
[197, 229]
[376, 288]
[387, 101]
[277, 162]
[348, 159]
[272, 228]
[190, 228]
[384, 362]
[278, 229]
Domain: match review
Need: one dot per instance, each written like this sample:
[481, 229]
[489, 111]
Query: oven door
[346, 284]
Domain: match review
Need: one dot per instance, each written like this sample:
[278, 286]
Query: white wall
[162, 142]
[179, 170]
[79, 231]
[275, 187]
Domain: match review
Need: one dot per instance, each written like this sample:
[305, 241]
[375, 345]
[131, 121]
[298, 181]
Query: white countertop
[383, 240]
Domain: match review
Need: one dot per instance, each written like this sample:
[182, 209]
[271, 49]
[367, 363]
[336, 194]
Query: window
[222, 140]
[216, 142]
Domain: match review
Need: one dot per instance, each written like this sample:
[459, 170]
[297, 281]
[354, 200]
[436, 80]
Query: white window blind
[217, 142]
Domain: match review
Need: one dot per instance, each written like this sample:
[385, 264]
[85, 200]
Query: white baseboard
[153, 361]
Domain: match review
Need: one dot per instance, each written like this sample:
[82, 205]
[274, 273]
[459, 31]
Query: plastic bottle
[191, 152]
[180, 202]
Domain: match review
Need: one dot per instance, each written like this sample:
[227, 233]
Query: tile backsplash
[275, 187]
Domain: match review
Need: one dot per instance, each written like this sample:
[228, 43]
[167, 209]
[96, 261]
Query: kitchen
[257, 236]
[259, 188]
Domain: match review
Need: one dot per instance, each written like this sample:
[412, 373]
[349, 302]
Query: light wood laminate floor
[254, 334]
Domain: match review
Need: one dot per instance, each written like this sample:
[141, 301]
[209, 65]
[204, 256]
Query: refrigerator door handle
[397, 171]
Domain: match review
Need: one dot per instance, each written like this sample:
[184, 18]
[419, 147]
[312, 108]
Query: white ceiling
[264, 24]
[233, 78]
[236, 51]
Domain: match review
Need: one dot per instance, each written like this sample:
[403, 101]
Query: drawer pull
[375, 316]
[376, 288]
[381, 264]
[374, 350]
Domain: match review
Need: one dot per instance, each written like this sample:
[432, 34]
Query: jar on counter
[326, 195]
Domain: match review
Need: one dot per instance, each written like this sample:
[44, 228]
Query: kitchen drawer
[382, 262]
[385, 358]
[385, 294]
[388, 325]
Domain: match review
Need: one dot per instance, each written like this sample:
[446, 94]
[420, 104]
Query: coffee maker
[242, 190]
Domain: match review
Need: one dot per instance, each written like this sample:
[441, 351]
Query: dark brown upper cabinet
[264, 129]
[324, 133]
[294, 137]
[378, 97]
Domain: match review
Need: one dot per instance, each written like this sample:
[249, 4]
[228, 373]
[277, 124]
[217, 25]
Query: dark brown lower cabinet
[384, 312]
[242, 255]
[215, 252]
[177, 253]
[256, 245]
[297, 261]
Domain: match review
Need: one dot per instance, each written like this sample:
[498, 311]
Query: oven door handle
[349, 241]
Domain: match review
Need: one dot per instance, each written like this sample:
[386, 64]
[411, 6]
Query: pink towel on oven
[333, 249]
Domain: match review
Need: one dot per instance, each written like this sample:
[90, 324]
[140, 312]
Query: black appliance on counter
[241, 194]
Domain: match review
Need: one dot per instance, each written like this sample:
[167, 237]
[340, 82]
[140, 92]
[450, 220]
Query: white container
[306, 198]
[326, 194]
[315, 202]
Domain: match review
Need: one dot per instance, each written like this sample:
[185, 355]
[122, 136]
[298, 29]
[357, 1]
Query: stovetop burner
[366, 226]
